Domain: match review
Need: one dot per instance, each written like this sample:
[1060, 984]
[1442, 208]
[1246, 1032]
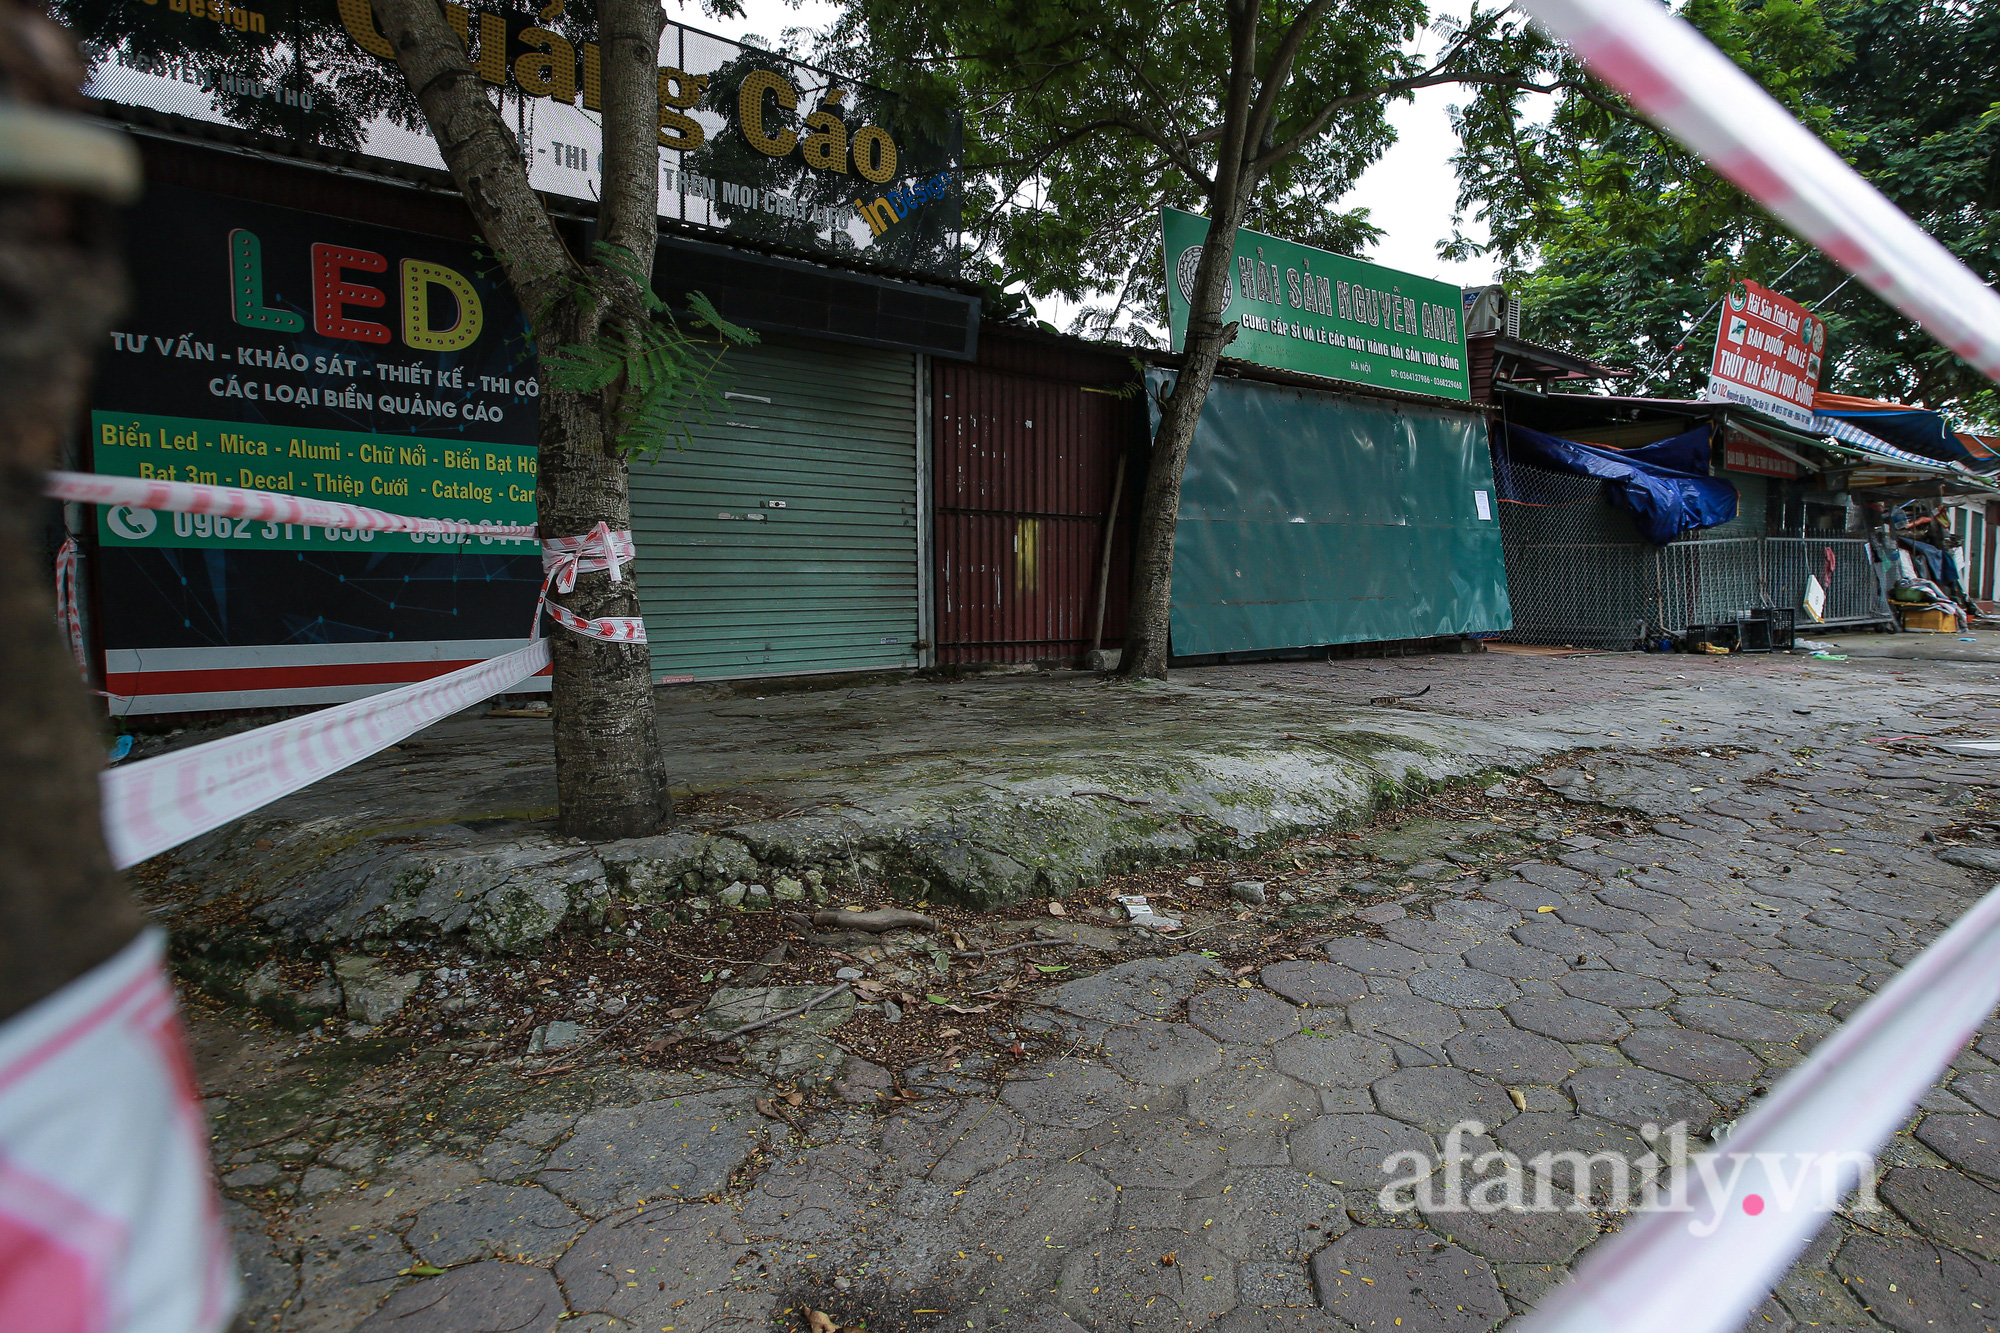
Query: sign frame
[1769, 352]
[1319, 313]
[751, 143]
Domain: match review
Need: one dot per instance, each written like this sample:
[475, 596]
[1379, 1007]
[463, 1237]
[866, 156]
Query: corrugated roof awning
[1849, 433]
[1524, 360]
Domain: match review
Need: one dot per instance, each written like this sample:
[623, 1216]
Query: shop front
[1339, 489]
[788, 534]
[272, 348]
[313, 314]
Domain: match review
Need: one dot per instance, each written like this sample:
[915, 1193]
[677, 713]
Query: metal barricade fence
[1707, 582]
[1578, 572]
[1855, 591]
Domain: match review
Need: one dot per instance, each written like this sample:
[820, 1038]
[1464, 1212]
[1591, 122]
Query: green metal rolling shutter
[818, 442]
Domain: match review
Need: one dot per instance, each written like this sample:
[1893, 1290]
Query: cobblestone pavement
[1206, 1150]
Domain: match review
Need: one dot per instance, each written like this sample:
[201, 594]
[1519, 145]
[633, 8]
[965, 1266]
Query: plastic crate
[1767, 629]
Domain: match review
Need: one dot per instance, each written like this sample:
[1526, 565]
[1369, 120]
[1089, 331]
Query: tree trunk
[63, 909]
[1147, 617]
[1146, 620]
[609, 767]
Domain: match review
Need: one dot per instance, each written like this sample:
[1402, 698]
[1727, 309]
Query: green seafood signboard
[1319, 313]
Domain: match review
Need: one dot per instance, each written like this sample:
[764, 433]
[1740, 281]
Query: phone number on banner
[469, 481]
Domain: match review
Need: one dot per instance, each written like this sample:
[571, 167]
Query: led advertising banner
[750, 143]
[283, 351]
[1320, 313]
[1767, 354]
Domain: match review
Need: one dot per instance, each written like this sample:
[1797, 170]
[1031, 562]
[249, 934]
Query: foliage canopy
[1083, 117]
[1618, 241]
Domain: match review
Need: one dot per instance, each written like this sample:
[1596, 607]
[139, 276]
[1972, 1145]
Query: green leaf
[938, 999]
[1051, 967]
[661, 378]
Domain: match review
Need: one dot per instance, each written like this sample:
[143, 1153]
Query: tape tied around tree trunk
[563, 558]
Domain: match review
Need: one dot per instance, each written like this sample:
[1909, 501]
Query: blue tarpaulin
[1664, 486]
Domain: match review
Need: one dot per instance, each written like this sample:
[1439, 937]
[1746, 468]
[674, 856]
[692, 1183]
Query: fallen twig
[1031, 944]
[292, 1132]
[793, 1012]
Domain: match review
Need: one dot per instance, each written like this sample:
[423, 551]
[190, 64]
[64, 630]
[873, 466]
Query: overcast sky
[1409, 193]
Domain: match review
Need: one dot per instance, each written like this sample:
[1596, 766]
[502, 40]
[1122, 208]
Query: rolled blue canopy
[1664, 486]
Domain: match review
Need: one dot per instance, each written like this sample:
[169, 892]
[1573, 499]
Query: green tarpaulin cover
[1314, 518]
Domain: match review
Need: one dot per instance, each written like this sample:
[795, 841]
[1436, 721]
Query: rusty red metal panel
[1026, 443]
[1479, 365]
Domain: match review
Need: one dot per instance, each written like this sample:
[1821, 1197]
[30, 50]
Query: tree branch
[629, 49]
[479, 150]
[1318, 123]
[1230, 162]
[1280, 73]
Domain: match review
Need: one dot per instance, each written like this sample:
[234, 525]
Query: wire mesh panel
[1855, 591]
[1709, 582]
[1589, 596]
[1579, 573]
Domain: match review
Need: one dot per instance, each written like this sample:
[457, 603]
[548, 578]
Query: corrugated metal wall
[1026, 444]
[784, 540]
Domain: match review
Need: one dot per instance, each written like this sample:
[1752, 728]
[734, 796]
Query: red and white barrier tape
[563, 558]
[1703, 1270]
[160, 803]
[1662, 1273]
[68, 618]
[184, 497]
[1695, 93]
[108, 1216]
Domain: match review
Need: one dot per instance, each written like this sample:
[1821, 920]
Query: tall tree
[607, 366]
[1619, 242]
[1085, 116]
